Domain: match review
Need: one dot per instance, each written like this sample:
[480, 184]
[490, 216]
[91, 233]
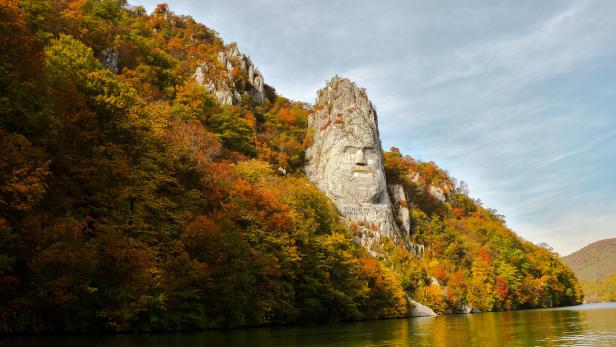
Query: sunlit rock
[345, 159]
[437, 193]
[420, 310]
[401, 206]
[466, 309]
[230, 88]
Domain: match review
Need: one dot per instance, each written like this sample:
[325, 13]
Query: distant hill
[597, 261]
[595, 266]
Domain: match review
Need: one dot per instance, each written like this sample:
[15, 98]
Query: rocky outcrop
[238, 77]
[420, 310]
[465, 309]
[345, 159]
[401, 206]
[109, 57]
[417, 249]
[437, 193]
[220, 89]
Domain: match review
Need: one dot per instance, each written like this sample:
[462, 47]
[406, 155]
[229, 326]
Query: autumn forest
[132, 200]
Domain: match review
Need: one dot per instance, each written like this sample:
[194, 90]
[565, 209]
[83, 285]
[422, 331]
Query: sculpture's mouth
[362, 185]
[361, 169]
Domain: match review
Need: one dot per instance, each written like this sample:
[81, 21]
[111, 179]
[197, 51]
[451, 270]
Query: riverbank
[593, 324]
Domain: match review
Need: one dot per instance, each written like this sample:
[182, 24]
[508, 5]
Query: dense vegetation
[134, 201]
[472, 258]
[595, 267]
[600, 290]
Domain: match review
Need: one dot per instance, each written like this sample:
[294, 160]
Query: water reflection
[587, 325]
[521, 328]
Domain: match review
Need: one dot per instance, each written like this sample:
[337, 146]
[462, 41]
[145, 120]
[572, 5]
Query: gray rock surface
[437, 193]
[469, 309]
[229, 90]
[414, 177]
[109, 57]
[417, 249]
[345, 159]
[420, 310]
[401, 206]
[219, 89]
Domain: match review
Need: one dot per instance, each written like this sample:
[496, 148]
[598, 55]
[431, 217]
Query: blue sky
[517, 98]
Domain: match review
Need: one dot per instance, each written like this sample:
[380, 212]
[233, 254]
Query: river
[585, 325]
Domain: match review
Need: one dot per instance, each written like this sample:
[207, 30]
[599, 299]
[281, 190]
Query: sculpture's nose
[360, 159]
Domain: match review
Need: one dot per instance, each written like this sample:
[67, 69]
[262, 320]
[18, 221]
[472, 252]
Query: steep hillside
[139, 188]
[470, 258]
[150, 180]
[595, 266]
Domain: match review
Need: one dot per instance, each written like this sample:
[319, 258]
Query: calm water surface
[586, 325]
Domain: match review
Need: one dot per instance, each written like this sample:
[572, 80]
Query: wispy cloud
[514, 98]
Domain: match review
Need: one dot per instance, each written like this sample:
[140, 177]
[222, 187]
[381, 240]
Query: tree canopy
[131, 200]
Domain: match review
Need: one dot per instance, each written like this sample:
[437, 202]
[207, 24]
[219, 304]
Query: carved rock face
[345, 159]
[354, 156]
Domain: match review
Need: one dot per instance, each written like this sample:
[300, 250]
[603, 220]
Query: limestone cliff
[345, 159]
[401, 206]
[439, 191]
[234, 77]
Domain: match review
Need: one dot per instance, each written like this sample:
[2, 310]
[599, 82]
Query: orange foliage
[286, 116]
[458, 212]
[501, 288]
[485, 256]
[22, 173]
[456, 279]
[204, 235]
[18, 48]
[128, 201]
[191, 139]
[440, 273]
[175, 44]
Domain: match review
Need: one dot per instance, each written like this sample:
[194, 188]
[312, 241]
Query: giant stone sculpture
[345, 158]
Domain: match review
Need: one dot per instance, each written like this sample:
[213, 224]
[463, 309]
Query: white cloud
[514, 98]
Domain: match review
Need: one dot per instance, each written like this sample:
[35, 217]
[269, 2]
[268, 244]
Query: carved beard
[361, 187]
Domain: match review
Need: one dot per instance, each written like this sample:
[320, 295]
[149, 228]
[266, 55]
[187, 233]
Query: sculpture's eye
[370, 153]
[349, 153]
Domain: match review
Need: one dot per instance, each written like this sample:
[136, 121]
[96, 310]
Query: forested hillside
[595, 267]
[471, 258]
[132, 200]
